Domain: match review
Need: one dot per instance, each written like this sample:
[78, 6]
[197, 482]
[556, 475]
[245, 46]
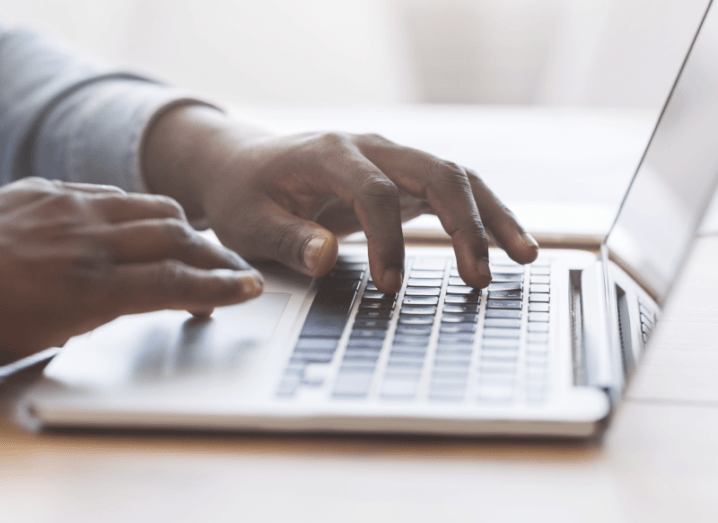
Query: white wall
[558, 52]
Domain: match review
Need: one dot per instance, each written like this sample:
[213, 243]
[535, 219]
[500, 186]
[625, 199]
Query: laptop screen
[677, 176]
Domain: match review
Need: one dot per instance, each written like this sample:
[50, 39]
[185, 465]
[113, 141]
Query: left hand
[286, 198]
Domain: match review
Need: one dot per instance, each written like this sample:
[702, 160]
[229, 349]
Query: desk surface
[657, 463]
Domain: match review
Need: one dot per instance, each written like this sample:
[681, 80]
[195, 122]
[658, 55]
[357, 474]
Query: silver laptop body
[545, 350]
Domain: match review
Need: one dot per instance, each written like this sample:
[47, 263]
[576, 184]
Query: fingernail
[252, 284]
[312, 252]
[483, 269]
[393, 278]
[530, 241]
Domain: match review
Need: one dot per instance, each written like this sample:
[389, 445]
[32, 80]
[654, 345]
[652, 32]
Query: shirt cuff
[96, 134]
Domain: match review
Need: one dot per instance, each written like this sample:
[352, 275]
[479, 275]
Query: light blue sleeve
[65, 115]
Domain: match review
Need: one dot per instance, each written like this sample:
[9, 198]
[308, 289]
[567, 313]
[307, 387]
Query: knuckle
[375, 139]
[378, 187]
[333, 140]
[167, 204]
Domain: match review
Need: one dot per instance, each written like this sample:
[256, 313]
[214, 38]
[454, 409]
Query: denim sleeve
[68, 116]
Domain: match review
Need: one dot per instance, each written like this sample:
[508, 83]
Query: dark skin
[75, 256]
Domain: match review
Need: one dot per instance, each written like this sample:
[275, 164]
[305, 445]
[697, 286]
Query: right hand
[76, 256]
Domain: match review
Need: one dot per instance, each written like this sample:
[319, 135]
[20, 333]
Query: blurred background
[607, 53]
[552, 101]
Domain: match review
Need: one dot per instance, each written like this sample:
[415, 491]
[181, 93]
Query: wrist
[184, 150]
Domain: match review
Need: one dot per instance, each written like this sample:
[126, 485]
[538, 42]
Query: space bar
[328, 314]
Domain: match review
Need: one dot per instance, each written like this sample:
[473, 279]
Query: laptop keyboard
[438, 339]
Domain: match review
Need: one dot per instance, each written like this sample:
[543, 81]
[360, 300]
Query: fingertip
[392, 280]
[202, 313]
[526, 249]
[484, 271]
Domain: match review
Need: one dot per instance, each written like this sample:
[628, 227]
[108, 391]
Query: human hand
[285, 198]
[75, 256]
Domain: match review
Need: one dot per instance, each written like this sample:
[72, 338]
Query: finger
[134, 206]
[275, 234]
[156, 240]
[447, 189]
[375, 201]
[137, 288]
[502, 223]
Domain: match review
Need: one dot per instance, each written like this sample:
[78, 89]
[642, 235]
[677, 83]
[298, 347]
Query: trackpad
[171, 346]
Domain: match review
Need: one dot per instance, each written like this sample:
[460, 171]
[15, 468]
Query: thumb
[299, 244]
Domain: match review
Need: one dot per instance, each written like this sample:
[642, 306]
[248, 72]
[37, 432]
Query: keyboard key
[538, 307]
[454, 273]
[411, 319]
[538, 288]
[505, 295]
[345, 275]
[419, 309]
[358, 367]
[364, 323]
[646, 311]
[368, 356]
[454, 351]
[427, 275]
[411, 363]
[411, 350]
[373, 295]
[456, 281]
[317, 343]
[539, 298]
[536, 350]
[538, 327]
[418, 282]
[405, 339]
[365, 343]
[368, 333]
[461, 307]
[374, 314]
[537, 337]
[539, 316]
[350, 266]
[497, 355]
[462, 340]
[502, 323]
[337, 284]
[465, 298]
[312, 357]
[503, 277]
[505, 286]
[457, 375]
[536, 279]
[501, 333]
[377, 304]
[503, 313]
[309, 352]
[500, 343]
[503, 304]
[452, 363]
[500, 368]
[462, 289]
[422, 291]
[645, 319]
[328, 314]
[460, 318]
[452, 328]
[544, 271]
[414, 330]
[507, 269]
[371, 287]
[352, 385]
[421, 300]
[428, 264]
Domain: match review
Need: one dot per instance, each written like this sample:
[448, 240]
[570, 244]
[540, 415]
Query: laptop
[546, 350]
